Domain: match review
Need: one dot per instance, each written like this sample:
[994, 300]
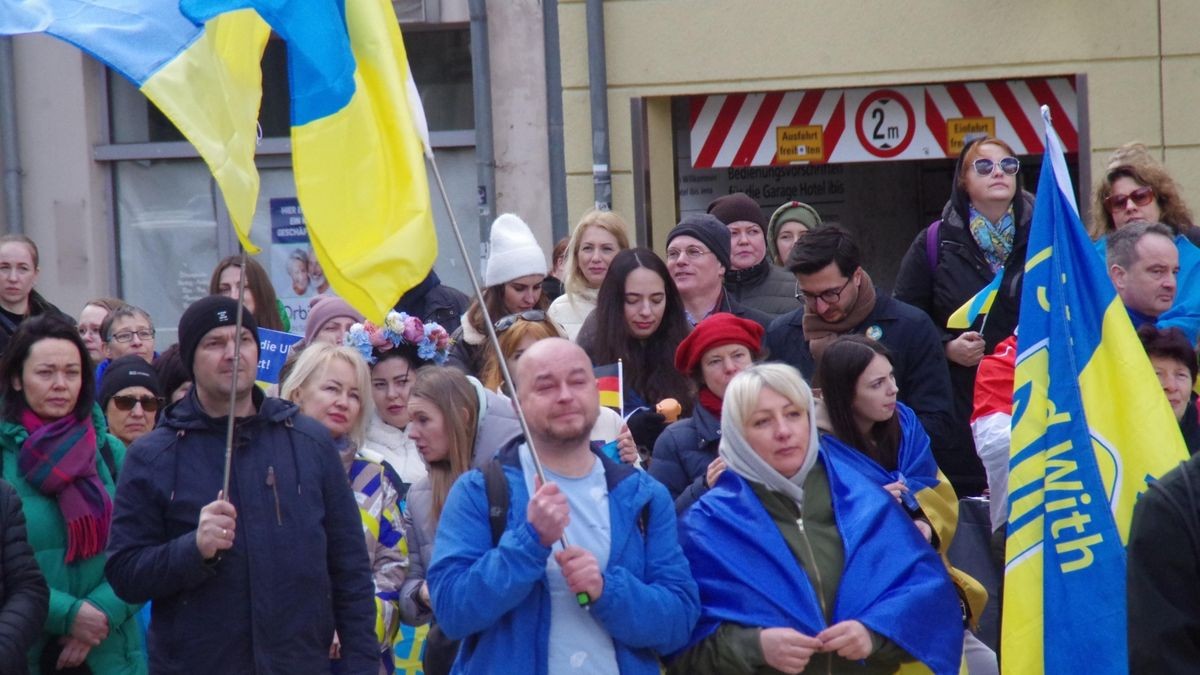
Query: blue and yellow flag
[980, 303]
[206, 79]
[358, 143]
[1090, 427]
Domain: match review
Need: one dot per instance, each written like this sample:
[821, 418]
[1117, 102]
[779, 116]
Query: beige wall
[661, 48]
[63, 189]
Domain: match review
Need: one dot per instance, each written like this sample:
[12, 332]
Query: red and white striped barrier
[876, 124]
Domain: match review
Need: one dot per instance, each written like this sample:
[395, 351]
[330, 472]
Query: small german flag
[608, 382]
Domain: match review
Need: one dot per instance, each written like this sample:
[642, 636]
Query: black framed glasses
[828, 297]
[1009, 165]
[528, 315]
[126, 403]
[127, 335]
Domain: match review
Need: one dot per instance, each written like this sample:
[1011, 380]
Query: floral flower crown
[431, 340]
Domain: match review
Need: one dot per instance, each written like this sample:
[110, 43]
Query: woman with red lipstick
[597, 239]
[864, 425]
[54, 449]
[640, 320]
[457, 425]
[330, 385]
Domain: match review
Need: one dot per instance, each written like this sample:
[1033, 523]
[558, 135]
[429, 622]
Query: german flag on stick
[610, 381]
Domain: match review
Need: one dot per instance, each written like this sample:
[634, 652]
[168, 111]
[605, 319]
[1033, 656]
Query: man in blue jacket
[839, 298]
[514, 605]
[259, 580]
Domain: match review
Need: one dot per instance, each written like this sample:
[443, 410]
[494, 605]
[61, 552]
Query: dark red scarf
[59, 459]
[710, 402]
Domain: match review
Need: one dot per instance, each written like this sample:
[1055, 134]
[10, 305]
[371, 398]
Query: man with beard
[519, 601]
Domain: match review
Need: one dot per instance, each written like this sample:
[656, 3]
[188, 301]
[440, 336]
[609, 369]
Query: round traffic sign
[885, 123]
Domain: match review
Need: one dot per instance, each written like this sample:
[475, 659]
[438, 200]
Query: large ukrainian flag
[206, 79]
[358, 143]
[1090, 427]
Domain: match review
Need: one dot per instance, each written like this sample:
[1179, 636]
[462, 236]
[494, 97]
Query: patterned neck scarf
[996, 240]
[59, 460]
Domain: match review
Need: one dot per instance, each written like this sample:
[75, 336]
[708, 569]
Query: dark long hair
[837, 375]
[30, 332]
[649, 368]
[494, 297]
[266, 302]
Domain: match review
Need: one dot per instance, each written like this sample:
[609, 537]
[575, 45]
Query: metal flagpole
[494, 340]
[237, 356]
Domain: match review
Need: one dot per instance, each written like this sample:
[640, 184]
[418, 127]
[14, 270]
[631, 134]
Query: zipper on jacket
[817, 582]
[275, 492]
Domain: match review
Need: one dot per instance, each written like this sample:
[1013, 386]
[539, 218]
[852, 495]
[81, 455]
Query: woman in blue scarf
[867, 428]
[800, 560]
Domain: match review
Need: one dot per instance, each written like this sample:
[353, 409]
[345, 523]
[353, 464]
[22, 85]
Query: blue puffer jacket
[298, 568]
[496, 599]
[682, 455]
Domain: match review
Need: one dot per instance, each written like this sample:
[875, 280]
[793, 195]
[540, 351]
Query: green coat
[121, 653]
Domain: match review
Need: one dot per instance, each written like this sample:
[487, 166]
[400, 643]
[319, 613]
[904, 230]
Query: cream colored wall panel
[1181, 124]
[1180, 19]
[577, 131]
[1123, 102]
[1184, 164]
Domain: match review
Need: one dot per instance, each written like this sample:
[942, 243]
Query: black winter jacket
[430, 300]
[1163, 566]
[298, 568]
[919, 362]
[960, 271]
[682, 455]
[764, 287]
[26, 598]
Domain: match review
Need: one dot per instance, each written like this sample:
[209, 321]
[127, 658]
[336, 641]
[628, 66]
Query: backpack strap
[497, 496]
[931, 244]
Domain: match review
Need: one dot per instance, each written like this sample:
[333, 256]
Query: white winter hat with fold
[514, 253]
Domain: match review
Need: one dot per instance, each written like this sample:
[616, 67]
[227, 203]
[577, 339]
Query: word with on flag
[609, 381]
[980, 303]
[207, 79]
[1081, 452]
[359, 143]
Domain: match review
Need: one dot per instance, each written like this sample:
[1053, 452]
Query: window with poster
[170, 221]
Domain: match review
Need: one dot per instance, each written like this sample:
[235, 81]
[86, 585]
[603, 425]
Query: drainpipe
[485, 152]
[10, 158]
[559, 227]
[598, 88]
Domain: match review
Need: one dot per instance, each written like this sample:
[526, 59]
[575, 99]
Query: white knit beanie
[514, 253]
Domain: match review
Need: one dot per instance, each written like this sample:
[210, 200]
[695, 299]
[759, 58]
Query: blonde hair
[606, 220]
[311, 365]
[741, 396]
[491, 376]
[448, 390]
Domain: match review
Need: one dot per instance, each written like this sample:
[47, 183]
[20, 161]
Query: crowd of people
[796, 516]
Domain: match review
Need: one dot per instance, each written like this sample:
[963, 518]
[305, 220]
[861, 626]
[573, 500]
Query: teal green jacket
[121, 653]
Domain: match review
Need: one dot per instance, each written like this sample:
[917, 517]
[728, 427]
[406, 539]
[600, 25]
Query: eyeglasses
[692, 253]
[1141, 197]
[127, 336]
[528, 315]
[126, 403]
[1009, 165]
[828, 297]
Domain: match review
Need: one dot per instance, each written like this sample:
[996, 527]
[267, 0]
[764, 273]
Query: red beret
[717, 330]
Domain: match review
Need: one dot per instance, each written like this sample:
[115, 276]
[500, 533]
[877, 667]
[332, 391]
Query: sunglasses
[528, 315]
[1141, 197]
[126, 403]
[1009, 165]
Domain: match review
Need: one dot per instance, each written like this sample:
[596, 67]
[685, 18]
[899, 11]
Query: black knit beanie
[708, 230]
[130, 370]
[204, 315]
